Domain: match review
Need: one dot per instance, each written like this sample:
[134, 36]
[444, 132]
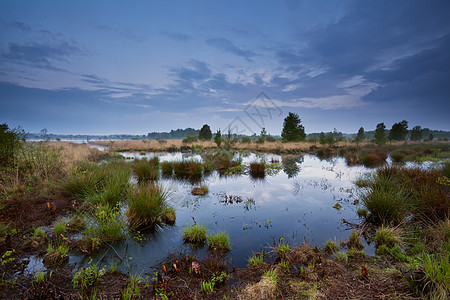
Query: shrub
[195, 234]
[190, 139]
[219, 241]
[146, 205]
[257, 170]
[398, 155]
[245, 140]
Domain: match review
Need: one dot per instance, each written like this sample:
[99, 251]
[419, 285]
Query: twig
[115, 251]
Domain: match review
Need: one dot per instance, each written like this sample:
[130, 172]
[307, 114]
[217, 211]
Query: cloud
[227, 46]
[41, 55]
[179, 37]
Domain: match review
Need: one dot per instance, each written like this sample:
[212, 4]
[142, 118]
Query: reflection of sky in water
[298, 209]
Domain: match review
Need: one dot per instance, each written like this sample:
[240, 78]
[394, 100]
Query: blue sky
[103, 67]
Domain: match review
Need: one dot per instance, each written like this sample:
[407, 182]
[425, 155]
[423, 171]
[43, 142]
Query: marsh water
[294, 202]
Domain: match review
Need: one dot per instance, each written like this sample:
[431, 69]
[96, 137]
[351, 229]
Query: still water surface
[294, 203]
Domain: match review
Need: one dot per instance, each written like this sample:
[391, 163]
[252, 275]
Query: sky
[105, 67]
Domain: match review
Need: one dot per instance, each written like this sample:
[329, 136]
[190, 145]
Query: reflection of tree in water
[291, 165]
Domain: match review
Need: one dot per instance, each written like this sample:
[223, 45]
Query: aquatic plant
[200, 191]
[372, 157]
[257, 170]
[187, 168]
[219, 241]
[146, 204]
[167, 167]
[194, 234]
[146, 170]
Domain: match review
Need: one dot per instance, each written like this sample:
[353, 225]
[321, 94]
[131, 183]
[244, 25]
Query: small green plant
[330, 247]
[272, 275]
[396, 252]
[256, 260]
[59, 227]
[284, 264]
[219, 241]
[356, 253]
[106, 225]
[389, 236]
[6, 257]
[354, 241]
[169, 215]
[341, 256]
[132, 288]
[282, 249]
[207, 287]
[362, 212]
[113, 267]
[39, 231]
[437, 270]
[194, 234]
[87, 277]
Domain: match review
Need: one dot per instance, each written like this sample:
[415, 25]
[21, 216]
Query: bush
[146, 205]
[195, 234]
[245, 140]
[372, 157]
[219, 241]
[190, 139]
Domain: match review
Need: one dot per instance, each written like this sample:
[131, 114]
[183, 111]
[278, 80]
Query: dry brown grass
[155, 145]
[73, 153]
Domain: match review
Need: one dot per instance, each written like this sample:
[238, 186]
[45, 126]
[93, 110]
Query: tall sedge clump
[146, 204]
[146, 170]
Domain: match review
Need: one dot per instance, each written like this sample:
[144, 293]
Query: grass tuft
[195, 234]
[146, 205]
[257, 170]
[219, 241]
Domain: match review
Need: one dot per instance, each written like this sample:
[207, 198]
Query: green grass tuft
[219, 241]
[195, 234]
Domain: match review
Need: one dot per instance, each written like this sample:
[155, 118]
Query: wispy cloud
[227, 46]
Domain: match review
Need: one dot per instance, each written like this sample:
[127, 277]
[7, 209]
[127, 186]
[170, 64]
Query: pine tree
[292, 129]
[205, 133]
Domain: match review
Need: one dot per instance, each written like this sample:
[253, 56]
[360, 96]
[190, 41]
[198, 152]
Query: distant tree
[292, 129]
[218, 138]
[399, 131]
[322, 138]
[431, 136]
[360, 136]
[229, 140]
[44, 135]
[416, 133]
[205, 133]
[262, 136]
[380, 134]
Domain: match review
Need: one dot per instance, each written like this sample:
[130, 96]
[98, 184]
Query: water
[295, 203]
